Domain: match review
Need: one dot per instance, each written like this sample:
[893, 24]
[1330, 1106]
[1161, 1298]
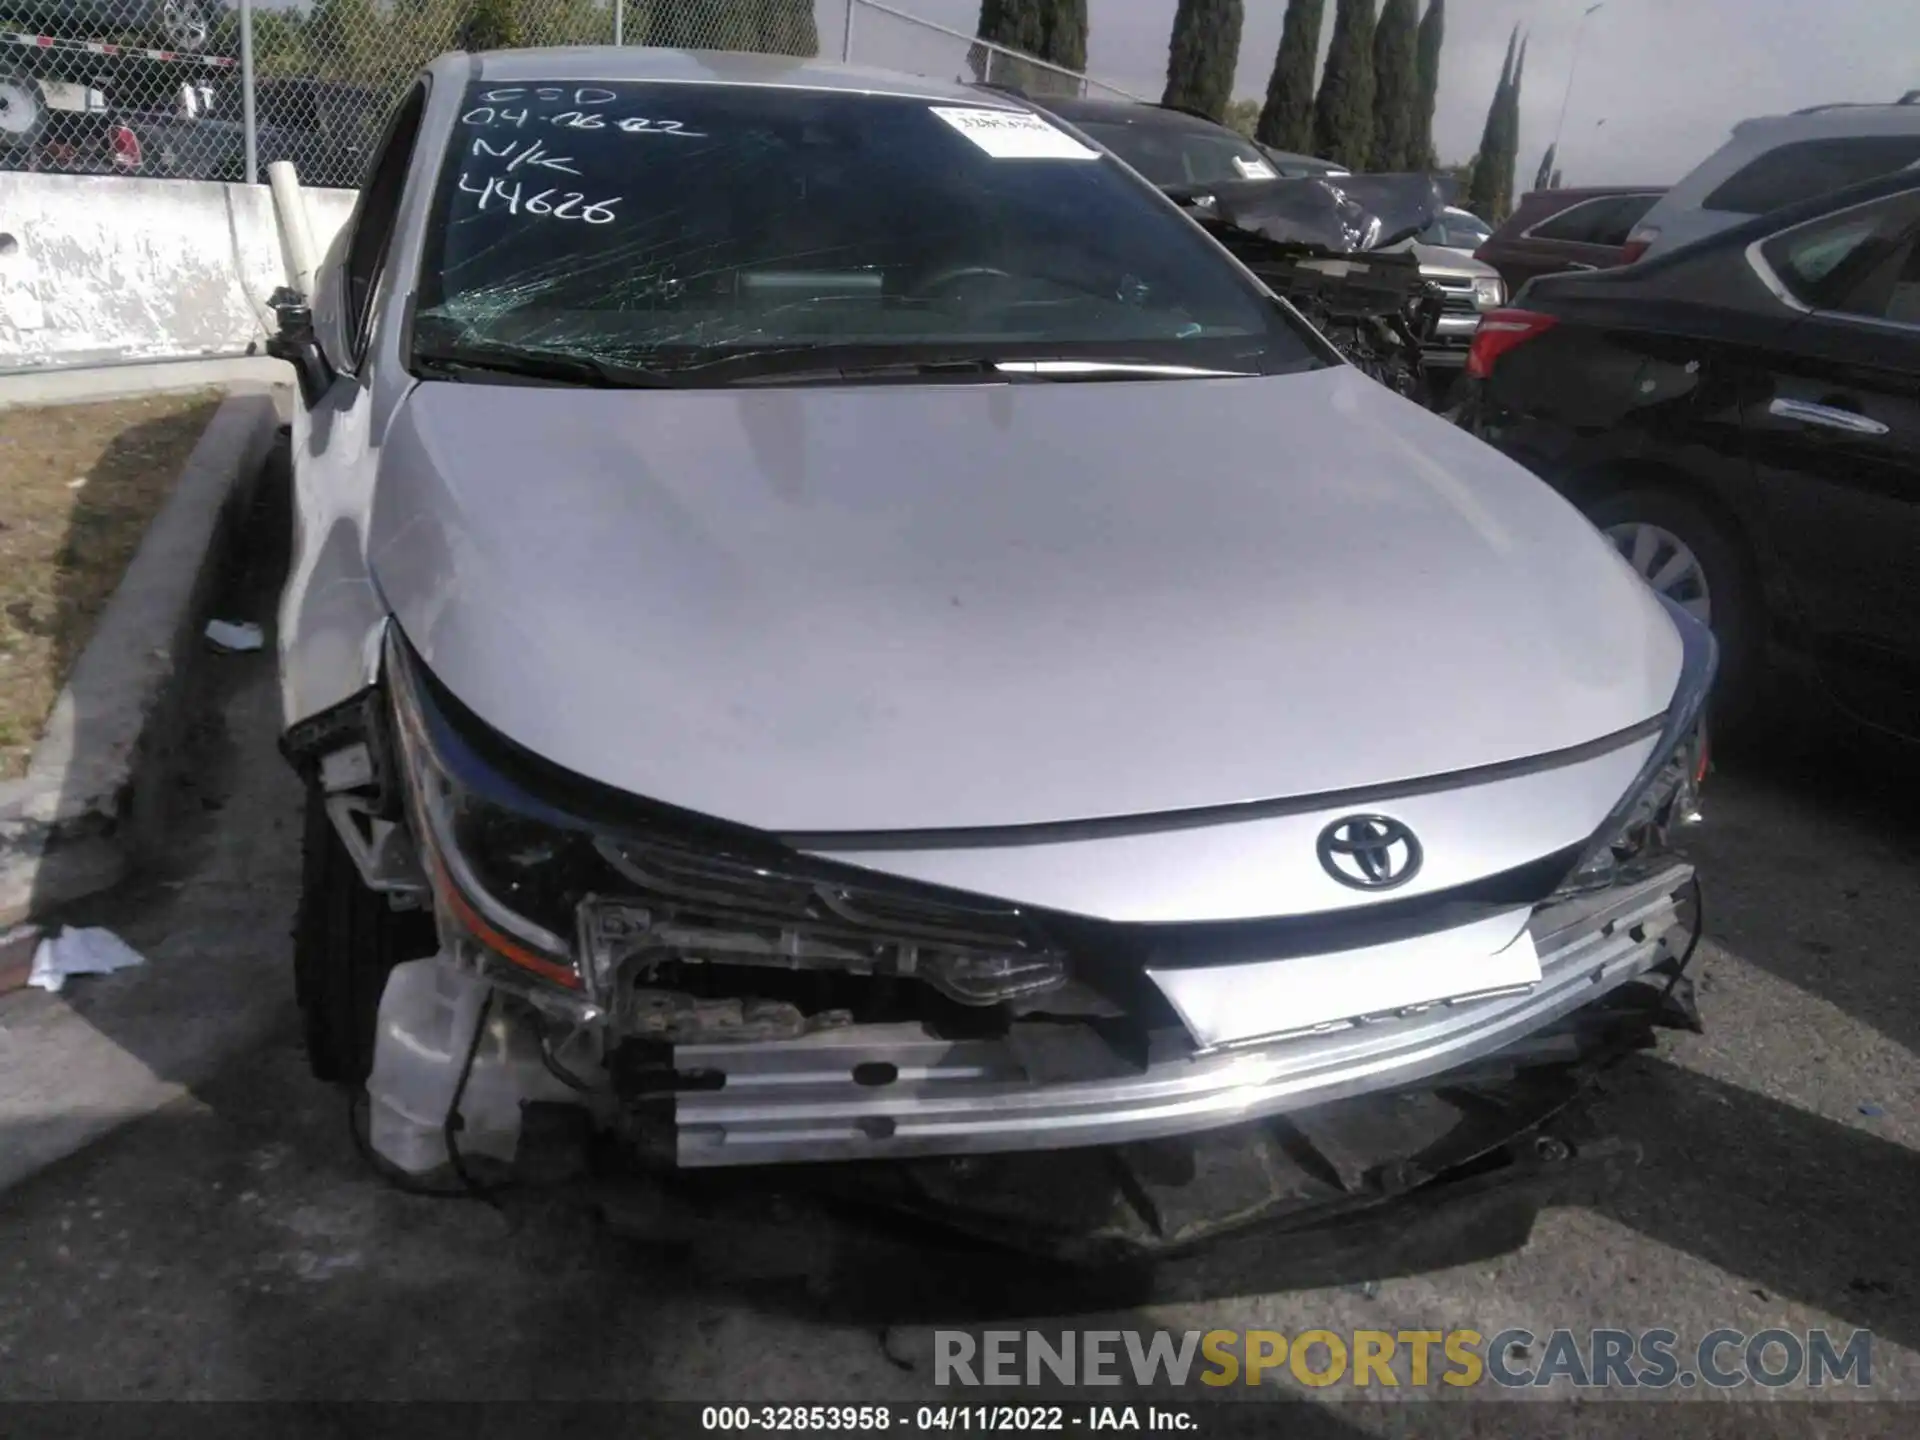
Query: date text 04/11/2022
[943, 1419]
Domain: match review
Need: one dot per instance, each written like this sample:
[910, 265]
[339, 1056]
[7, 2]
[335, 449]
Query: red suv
[1551, 231]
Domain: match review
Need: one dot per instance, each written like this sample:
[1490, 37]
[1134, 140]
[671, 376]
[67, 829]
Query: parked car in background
[184, 25]
[1742, 417]
[1469, 288]
[1174, 148]
[1551, 231]
[1780, 160]
[64, 128]
[1457, 230]
[1180, 152]
[326, 128]
[751, 685]
[1294, 167]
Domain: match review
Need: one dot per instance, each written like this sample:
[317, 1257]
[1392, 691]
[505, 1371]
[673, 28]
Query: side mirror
[293, 341]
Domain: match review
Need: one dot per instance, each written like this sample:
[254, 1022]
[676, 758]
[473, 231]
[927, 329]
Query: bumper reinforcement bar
[800, 1099]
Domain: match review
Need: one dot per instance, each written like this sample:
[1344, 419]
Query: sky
[1660, 83]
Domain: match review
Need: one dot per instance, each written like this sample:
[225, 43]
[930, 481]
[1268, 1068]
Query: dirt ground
[78, 484]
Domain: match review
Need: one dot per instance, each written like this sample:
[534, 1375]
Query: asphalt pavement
[212, 1233]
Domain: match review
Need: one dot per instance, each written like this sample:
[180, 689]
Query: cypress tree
[1343, 113]
[1543, 177]
[1067, 34]
[1051, 30]
[1015, 24]
[1286, 120]
[1510, 135]
[1433, 34]
[1203, 54]
[1483, 192]
[1396, 86]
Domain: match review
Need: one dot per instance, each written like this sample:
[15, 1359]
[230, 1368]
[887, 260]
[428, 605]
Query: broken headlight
[597, 907]
[1666, 791]
[498, 865]
[689, 906]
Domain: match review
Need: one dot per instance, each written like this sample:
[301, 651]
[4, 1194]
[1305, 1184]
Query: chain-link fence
[159, 87]
[890, 38]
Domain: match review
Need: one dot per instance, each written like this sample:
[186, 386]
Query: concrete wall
[99, 269]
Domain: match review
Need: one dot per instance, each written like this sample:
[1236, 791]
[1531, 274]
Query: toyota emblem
[1369, 852]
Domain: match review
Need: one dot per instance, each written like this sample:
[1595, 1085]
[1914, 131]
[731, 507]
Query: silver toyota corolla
[830, 621]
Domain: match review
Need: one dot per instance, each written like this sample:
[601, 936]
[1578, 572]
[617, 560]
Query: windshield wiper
[1009, 369]
[768, 370]
[556, 367]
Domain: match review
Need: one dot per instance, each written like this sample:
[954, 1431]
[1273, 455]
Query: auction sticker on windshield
[1013, 134]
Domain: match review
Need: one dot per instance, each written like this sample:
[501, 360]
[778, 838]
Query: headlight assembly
[1489, 293]
[1665, 792]
[498, 870]
[596, 908]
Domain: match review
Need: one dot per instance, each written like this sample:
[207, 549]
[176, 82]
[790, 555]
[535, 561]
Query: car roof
[1747, 232]
[711, 67]
[1135, 112]
[1592, 192]
[1294, 157]
[1905, 108]
[1124, 112]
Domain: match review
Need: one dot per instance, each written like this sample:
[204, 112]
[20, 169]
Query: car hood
[1447, 261]
[882, 607]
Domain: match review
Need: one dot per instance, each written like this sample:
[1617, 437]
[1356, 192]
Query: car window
[1806, 168]
[1604, 220]
[372, 224]
[1860, 262]
[1627, 212]
[1182, 155]
[1579, 222]
[1459, 232]
[679, 226]
[1902, 296]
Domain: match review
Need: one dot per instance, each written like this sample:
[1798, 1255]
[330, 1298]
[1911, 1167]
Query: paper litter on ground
[232, 635]
[86, 951]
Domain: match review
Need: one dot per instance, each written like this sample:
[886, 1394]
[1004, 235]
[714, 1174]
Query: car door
[328, 605]
[1834, 438]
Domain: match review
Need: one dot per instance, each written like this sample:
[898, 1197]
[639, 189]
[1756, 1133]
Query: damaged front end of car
[716, 996]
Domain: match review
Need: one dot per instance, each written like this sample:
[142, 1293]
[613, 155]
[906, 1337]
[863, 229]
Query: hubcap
[18, 109]
[1663, 560]
[184, 24]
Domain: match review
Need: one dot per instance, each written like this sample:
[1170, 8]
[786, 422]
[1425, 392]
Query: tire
[23, 111]
[1732, 592]
[345, 940]
[183, 25]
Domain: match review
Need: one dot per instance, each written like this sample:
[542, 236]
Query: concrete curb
[154, 377]
[92, 804]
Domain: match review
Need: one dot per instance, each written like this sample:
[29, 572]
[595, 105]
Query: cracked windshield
[717, 234]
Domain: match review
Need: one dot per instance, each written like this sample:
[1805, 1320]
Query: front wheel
[1688, 556]
[345, 940]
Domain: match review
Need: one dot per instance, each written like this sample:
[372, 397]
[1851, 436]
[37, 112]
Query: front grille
[1456, 299]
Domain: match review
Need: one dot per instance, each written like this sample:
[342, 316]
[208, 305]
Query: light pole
[1573, 68]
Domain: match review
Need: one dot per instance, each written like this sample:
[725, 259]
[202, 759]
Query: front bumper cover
[873, 1092]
